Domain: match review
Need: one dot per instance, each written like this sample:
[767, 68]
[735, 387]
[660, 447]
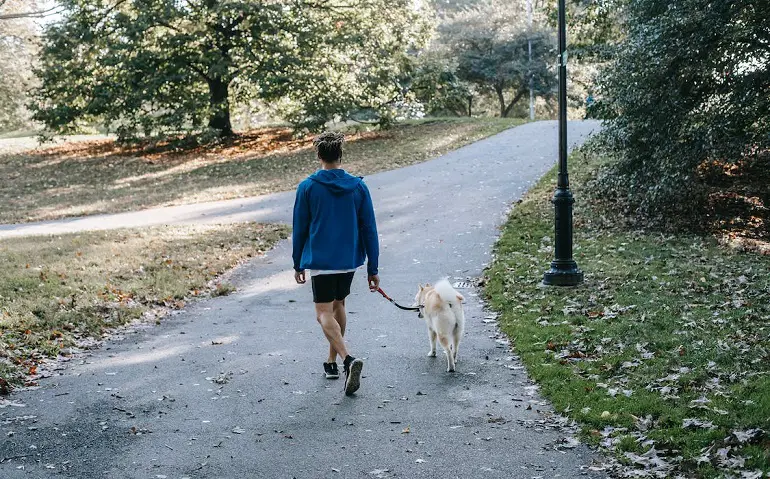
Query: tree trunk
[470, 106]
[513, 102]
[501, 99]
[220, 107]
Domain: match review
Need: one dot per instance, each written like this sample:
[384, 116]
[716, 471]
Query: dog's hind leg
[450, 357]
[457, 334]
[432, 337]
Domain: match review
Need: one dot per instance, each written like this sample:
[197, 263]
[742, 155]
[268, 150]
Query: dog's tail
[454, 299]
[448, 293]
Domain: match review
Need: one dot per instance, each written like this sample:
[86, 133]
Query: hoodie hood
[338, 181]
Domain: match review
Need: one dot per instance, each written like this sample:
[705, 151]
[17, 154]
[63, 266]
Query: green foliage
[164, 66]
[595, 27]
[690, 85]
[361, 67]
[490, 42]
[17, 49]
[436, 84]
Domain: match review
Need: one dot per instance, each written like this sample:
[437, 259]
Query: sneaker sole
[354, 377]
[332, 376]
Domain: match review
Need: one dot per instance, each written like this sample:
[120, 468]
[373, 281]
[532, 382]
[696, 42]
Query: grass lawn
[57, 291]
[101, 177]
[662, 355]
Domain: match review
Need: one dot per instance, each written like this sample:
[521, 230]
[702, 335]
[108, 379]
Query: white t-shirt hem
[318, 272]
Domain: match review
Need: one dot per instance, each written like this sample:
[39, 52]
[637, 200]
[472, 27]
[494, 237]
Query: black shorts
[331, 287]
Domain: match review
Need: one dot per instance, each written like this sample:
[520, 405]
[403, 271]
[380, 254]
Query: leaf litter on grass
[661, 354]
[104, 176]
[62, 295]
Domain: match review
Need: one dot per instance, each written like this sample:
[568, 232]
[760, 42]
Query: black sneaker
[331, 370]
[353, 368]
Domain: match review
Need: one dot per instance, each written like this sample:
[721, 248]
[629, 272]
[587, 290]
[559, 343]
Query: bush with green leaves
[690, 87]
[435, 83]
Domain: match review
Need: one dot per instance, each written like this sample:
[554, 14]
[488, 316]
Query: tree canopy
[161, 66]
[490, 43]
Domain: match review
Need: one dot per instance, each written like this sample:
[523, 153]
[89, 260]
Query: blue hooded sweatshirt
[334, 224]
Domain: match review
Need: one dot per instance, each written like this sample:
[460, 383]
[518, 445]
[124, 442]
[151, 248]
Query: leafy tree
[435, 84]
[362, 66]
[690, 85]
[18, 35]
[490, 42]
[594, 27]
[159, 66]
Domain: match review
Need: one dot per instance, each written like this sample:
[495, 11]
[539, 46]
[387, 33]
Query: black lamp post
[564, 270]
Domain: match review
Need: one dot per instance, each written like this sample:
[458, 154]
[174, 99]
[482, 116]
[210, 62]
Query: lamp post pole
[564, 270]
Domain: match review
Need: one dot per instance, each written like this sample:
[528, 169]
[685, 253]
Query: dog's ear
[420, 285]
[427, 285]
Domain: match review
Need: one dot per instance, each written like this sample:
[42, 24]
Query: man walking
[334, 231]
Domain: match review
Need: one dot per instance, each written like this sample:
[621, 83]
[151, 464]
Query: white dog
[442, 308]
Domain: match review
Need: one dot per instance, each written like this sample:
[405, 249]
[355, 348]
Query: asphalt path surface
[233, 387]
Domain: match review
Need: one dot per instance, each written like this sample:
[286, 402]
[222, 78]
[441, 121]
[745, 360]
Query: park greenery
[163, 66]
[17, 50]
[687, 97]
[489, 44]
[159, 68]
[661, 355]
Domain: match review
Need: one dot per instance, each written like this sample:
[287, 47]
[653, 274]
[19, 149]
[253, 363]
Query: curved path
[232, 387]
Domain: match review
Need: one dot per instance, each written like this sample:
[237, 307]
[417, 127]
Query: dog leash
[405, 308]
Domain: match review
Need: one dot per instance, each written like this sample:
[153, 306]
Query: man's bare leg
[333, 332]
[331, 329]
[340, 315]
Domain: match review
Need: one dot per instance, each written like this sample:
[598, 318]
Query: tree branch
[199, 71]
[324, 5]
[33, 14]
[514, 101]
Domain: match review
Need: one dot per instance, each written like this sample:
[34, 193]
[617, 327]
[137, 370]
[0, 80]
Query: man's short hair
[328, 145]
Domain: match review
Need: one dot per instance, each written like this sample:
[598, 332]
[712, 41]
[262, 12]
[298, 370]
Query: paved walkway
[233, 387]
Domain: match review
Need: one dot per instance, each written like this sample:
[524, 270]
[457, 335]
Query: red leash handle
[379, 290]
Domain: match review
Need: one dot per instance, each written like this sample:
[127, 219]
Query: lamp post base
[563, 274]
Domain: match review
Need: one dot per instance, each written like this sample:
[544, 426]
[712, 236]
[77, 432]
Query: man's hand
[374, 282]
[299, 277]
